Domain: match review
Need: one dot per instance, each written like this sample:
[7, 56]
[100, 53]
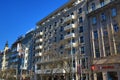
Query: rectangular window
[83, 63]
[80, 11]
[80, 20]
[93, 6]
[61, 37]
[73, 40]
[114, 12]
[61, 29]
[116, 28]
[103, 17]
[73, 50]
[80, 29]
[81, 39]
[102, 3]
[94, 20]
[97, 53]
[95, 34]
[82, 50]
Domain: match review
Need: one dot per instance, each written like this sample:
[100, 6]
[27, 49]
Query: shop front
[106, 72]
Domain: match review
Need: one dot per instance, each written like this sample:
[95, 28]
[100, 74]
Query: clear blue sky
[19, 16]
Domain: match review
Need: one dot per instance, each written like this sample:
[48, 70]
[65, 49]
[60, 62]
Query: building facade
[62, 46]
[104, 23]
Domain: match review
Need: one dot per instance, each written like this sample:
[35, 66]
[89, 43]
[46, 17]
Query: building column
[118, 74]
[95, 76]
[104, 74]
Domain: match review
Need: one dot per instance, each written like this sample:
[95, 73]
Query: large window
[103, 16]
[80, 11]
[114, 12]
[80, 20]
[82, 50]
[115, 27]
[97, 53]
[94, 20]
[80, 29]
[81, 39]
[93, 6]
[95, 34]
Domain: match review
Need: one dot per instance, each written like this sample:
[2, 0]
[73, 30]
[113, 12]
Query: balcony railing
[70, 26]
[69, 45]
[100, 6]
[38, 47]
[40, 33]
[38, 54]
[69, 35]
[69, 18]
[39, 71]
[39, 40]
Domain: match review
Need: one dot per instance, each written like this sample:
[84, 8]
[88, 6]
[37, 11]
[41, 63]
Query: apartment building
[20, 58]
[104, 23]
[5, 57]
[62, 46]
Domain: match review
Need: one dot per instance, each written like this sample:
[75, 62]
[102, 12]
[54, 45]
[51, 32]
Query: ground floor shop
[106, 72]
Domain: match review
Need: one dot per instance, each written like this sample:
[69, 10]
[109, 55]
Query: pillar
[95, 76]
[118, 74]
[104, 74]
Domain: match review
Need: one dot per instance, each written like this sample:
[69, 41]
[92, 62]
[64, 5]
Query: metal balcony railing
[69, 35]
[38, 47]
[70, 26]
[69, 45]
[38, 34]
[38, 54]
[39, 40]
[69, 18]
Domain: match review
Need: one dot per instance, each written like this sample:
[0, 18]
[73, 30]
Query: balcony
[38, 47]
[38, 34]
[106, 2]
[70, 26]
[39, 40]
[38, 54]
[69, 18]
[39, 71]
[69, 35]
[69, 45]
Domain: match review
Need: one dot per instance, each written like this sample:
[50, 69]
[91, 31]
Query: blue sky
[19, 16]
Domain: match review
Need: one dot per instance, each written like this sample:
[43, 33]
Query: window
[93, 6]
[95, 34]
[83, 63]
[61, 37]
[94, 20]
[73, 30]
[61, 28]
[61, 20]
[80, 19]
[55, 24]
[81, 29]
[73, 50]
[74, 63]
[55, 39]
[114, 12]
[97, 53]
[81, 39]
[102, 3]
[103, 17]
[116, 28]
[82, 50]
[80, 11]
[73, 40]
